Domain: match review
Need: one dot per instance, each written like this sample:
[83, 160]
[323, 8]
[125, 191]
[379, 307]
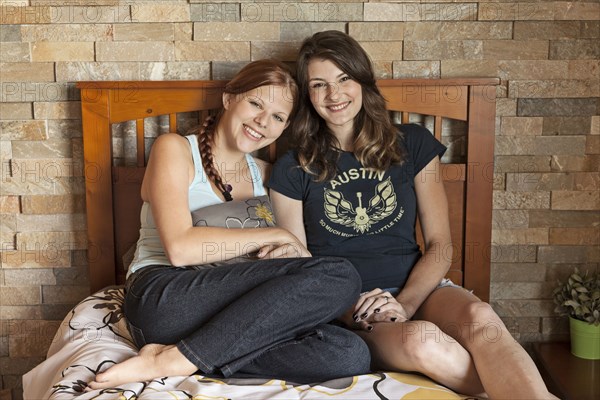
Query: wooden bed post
[98, 185]
[478, 210]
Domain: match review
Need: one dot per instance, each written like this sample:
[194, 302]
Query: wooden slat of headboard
[478, 209]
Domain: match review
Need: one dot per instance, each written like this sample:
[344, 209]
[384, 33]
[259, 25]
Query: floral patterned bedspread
[93, 336]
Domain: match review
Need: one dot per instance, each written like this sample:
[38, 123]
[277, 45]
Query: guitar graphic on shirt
[341, 211]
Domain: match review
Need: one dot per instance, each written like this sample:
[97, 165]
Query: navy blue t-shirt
[361, 214]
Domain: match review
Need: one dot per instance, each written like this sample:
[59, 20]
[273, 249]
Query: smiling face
[256, 118]
[336, 97]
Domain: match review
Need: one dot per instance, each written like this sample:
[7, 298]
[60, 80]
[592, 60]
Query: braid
[206, 138]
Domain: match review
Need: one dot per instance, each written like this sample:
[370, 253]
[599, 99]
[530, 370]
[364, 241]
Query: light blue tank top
[149, 249]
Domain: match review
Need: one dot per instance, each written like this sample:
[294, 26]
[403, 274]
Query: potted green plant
[579, 298]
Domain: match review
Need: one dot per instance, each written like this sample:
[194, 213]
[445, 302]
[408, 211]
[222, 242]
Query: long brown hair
[375, 137]
[256, 74]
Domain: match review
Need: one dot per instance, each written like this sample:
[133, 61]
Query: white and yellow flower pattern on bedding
[93, 336]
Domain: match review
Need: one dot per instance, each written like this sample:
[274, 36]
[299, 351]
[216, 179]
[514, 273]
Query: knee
[480, 314]
[354, 356]
[422, 342]
[345, 277]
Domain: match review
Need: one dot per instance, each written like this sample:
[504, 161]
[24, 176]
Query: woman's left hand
[378, 306]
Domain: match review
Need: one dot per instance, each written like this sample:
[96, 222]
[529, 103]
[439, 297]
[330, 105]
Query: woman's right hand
[288, 247]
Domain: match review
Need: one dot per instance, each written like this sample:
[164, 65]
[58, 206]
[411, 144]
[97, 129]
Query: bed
[121, 119]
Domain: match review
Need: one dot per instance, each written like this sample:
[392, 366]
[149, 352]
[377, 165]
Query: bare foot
[153, 361]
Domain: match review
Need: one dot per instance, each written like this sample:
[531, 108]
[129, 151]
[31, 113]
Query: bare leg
[421, 346]
[153, 361]
[504, 367]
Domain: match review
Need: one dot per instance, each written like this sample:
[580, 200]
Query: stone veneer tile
[226, 70]
[538, 69]
[375, 31]
[19, 366]
[557, 107]
[416, 69]
[592, 145]
[212, 51]
[563, 218]
[183, 31]
[508, 163]
[420, 12]
[28, 346]
[135, 51]
[506, 107]
[20, 296]
[383, 69]
[279, 50]
[566, 126]
[175, 70]
[29, 277]
[91, 71]
[515, 145]
[595, 125]
[161, 12]
[23, 130]
[521, 200]
[12, 15]
[457, 30]
[9, 204]
[57, 110]
[564, 10]
[469, 68]
[525, 126]
[443, 50]
[44, 257]
[26, 72]
[298, 31]
[299, 12]
[532, 181]
[554, 145]
[143, 31]
[521, 290]
[562, 254]
[515, 11]
[567, 163]
[53, 204]
[55, 312]
[85, 32]
[16, 313]
[513, 253]
[546, 30]
[74, 276]
[574, 49]
[215, 12]
[10, 33]
[60, 240]
[16, 111]
[589, 29]
[51, 222]
[37, 91]
[579, 200]
[515, 49]
[587, 180]
[86, 14]
[574, 236]
[64, 294]
[15, 52]
[532, 236]
[524, 308]
[526, 272]
[383, 50]
[554, 88]
[236, 32]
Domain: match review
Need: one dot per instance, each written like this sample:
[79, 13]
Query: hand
[378, 306]
[283, 250]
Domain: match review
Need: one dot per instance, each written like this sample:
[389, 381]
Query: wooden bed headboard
[113, 181]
